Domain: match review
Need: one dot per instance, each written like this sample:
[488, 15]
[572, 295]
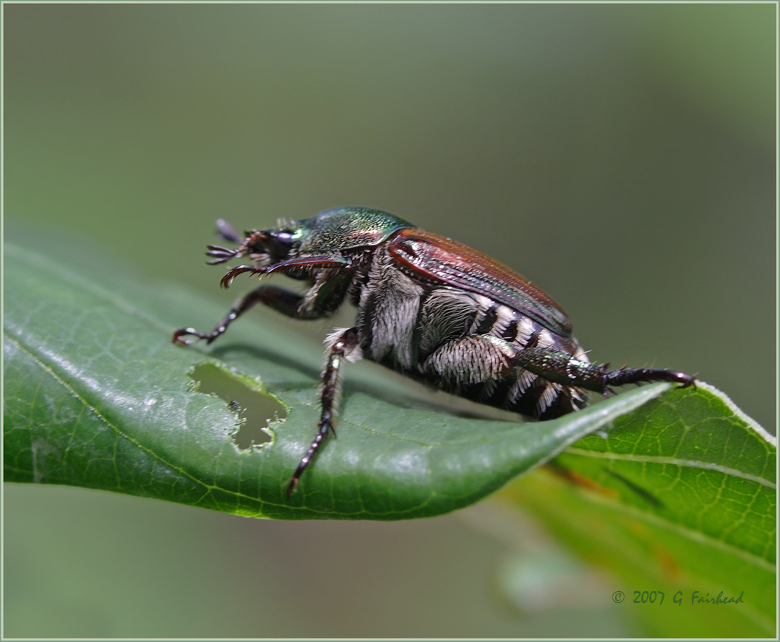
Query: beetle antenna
[220, 254]
[227, 231]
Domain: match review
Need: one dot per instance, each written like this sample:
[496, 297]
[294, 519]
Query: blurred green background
[621, 157]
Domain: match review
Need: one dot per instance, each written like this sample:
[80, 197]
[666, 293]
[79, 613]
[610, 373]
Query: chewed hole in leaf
[256, 409]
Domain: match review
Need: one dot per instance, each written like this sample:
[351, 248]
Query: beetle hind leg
[563, 368]
[625, 376]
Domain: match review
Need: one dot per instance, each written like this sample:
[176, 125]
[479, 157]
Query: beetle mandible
[428, 307]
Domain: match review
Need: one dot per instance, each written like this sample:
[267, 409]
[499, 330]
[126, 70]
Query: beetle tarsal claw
[183, 332]
[291, 486]
[429, 308]
[686, 381]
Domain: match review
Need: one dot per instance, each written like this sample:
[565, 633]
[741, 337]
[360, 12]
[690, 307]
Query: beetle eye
[284, 238]
[281, 243]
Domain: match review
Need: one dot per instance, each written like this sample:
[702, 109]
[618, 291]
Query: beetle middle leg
[342, 345]
[560, 367]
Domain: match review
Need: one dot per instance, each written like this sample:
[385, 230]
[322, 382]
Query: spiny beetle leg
[331, 379]
[232, 273]
[279, 299]
[321, 262]
[606, 391]
[563, 368]
[642, 375]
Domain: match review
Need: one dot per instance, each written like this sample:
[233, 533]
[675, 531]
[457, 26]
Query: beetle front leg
[342, 345]
[560, 367]
[319, 262]
[279, 299]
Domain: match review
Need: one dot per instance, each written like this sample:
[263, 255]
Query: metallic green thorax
[347, 228]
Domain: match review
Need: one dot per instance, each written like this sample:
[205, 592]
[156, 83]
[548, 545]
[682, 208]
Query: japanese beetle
[428, 307]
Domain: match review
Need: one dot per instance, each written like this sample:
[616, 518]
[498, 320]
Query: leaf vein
[694, 535]
[86, 403]
[654, 459]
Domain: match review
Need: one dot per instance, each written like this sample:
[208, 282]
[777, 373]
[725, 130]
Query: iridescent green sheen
[345, 228]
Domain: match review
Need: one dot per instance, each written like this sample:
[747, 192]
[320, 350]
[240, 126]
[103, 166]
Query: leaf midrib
[88, 404]
[208, 487]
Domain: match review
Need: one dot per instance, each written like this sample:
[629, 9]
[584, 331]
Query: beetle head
[329, 232]
[264, 247]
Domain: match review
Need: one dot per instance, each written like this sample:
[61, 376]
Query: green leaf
[675, 497]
